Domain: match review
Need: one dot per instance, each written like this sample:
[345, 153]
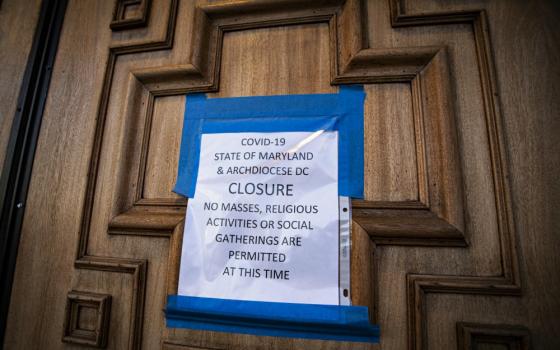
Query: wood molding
[120, 19]
[114, 52]
[352, 62]
[136, 267]
[408, 227]
[147, 221]
[508, 283]
[436, 218]
[76, 333]
[387, 222]
[471, 335]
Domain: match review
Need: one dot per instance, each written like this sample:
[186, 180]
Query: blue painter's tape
[276, 114]
[327, 322]
[216, 126]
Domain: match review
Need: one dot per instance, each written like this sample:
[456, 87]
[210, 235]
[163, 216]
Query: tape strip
[276, 114]
[327, 322]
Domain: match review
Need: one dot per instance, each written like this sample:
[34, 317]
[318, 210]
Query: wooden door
[456, 243]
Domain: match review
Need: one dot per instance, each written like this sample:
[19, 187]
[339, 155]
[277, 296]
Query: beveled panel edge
[119, 23]
[469, 335]
[72, 333]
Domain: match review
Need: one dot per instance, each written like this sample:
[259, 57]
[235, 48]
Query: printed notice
[263, 224]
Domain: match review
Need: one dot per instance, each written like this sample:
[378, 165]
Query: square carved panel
[473, 336]
[87, 318]
[130, 14]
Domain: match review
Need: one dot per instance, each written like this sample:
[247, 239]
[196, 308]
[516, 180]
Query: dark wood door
[456, 243]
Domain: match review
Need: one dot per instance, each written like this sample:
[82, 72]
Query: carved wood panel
[87, 319]
[434, 216]
[475, 336]
[423, 186]
[130, 14]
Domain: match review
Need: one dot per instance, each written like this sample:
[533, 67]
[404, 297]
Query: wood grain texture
[418, 285]
[163, 152]
[93, 331]
[391, 171]
[432, 81]
[481, 336]
[401, 226]
[14, 49]
[444, 215]
[130, 14]
[155, 31]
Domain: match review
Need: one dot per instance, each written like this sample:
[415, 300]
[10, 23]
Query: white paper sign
[263, 224]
